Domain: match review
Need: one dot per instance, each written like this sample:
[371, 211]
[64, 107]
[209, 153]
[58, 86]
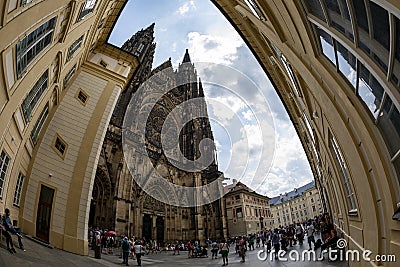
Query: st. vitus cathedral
[118, 202]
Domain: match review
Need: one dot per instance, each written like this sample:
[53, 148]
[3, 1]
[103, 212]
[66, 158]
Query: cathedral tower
[141, 45]
[118, 201]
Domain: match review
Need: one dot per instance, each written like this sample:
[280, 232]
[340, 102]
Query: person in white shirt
[138, 251]
[310, 234]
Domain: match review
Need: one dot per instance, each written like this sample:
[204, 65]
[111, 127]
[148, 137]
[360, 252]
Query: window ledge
[353, 212]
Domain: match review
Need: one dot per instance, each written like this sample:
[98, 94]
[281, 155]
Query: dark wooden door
[160, 229]
[44, 213]
[147, 225]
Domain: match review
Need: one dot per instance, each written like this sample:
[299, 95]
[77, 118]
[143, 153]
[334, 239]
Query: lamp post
[261, 222]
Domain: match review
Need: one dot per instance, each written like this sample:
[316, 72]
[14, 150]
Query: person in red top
[189, 247]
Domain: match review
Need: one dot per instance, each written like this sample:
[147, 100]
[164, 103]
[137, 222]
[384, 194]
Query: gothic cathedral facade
[118, 202]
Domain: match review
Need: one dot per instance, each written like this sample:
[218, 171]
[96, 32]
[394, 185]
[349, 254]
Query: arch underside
[351, 150]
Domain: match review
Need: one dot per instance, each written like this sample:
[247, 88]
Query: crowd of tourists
[285, 237]
[316, 233]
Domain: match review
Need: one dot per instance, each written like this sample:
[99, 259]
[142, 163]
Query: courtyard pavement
[38, 255]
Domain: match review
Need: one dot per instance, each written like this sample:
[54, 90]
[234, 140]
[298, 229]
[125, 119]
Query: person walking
[275, 243]
[214, 250]
[125, 245]
[139, 251]
[177, 247]
[310, 234]
[243, 248]
[299, 233]
[224, 253]
[189, 248]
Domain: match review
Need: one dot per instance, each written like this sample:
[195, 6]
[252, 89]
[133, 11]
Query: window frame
[68, 76]
[18, 189]
[32, 45]
[5, 160]
[54, 145]
[344, 174]
[34, 96]
[87, 7]
[37, 128]
[74, 47]
[82, 92]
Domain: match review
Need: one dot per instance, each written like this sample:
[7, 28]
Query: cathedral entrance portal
[160, 229]
[147, 225]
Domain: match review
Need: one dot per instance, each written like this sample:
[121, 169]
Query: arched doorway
[101, 205]
[147, 226]
[160, 229]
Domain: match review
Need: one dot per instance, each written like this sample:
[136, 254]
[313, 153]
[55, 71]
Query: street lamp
[261, 222]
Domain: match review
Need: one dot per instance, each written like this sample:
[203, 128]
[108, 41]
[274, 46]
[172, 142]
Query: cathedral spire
[186, 58]
[150, 28]
[201, 91]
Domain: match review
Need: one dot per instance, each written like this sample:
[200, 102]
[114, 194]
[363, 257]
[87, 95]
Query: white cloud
[248, 115]
[185, 8]
[213, 48]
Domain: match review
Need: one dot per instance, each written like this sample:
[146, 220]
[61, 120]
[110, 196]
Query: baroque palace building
[296, 206]
[334, 64]
[247, 212]
[118, 201]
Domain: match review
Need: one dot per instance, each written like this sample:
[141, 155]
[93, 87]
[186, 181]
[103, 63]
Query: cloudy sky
[255, 139]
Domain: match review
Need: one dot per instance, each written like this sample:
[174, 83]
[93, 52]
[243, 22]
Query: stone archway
[102, 202]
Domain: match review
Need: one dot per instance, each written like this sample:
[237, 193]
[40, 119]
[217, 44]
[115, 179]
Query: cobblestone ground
[37, 255]
[168, 259]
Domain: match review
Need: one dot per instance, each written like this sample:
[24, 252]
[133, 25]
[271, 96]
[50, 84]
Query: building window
[39, 124]
[140, 48]
[370, 90]
[103, 64]
[60, 146]
[237, 197]
[389, 126]
[24, 2]
[82, 96]
[87, 8]
[255, 9]
[339, 17]
[344, 174]
[239, 212]
[74, 47]
[69, 75]
[100, 23]
[327, 45]
[396, 64]
[288, 67]
[18, 189]
[347, 64]
[30, 101]
[4, 162]
[30, 47]
[314, 7]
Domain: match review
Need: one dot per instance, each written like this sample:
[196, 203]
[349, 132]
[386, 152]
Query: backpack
[125, 245]
[275, 238]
